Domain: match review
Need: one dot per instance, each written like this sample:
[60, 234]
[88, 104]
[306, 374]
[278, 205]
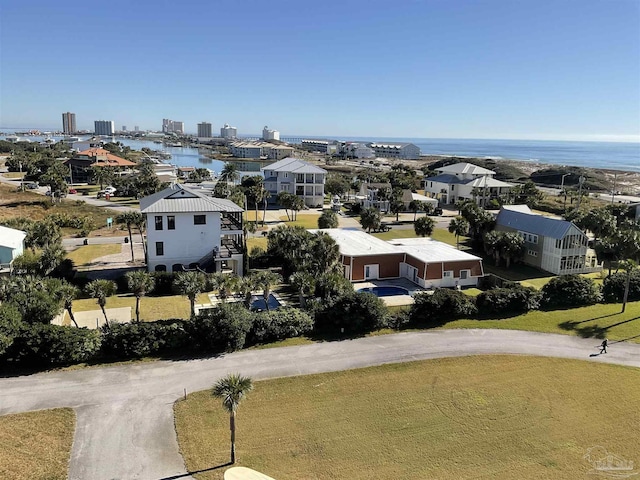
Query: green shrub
[351, 314]
[285, 322]
[570, 291]
[614, 285]
[516, 299]
[441, 306]
[10, 322]
[137, 340]
[48, 345]
[223, 328]
[163, 283]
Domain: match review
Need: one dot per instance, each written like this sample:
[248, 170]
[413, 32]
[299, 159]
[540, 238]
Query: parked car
[32, 186]
[48, 193]
[72, 191]
[437, 211]
[110, 190]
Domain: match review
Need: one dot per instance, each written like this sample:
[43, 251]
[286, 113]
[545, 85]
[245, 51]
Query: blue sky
[547, 69]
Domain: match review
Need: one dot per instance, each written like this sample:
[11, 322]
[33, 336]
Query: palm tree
[246, 286]
[266, 279]
[101, 290]
[424, 226]
[67, 293]
[224, 284]
[140, 283]
[190, 284]
[139, 222]
[266, 196]
[458, 226]
[230, 173]
[370, 219]
[129, 219]
[415, 206]
[232, 389]
[629, 266]
[305, 283]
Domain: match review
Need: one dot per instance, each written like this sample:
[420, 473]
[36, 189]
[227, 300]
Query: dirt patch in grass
[36, 445]
[506, 417]
[86, 254]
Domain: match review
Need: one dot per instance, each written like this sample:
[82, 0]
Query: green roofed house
[11, 246]
[552, 244]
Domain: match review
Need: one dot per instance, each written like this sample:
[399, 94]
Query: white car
[110, 190]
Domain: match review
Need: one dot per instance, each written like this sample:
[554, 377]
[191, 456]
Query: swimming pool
[385, 291]
[257, 303]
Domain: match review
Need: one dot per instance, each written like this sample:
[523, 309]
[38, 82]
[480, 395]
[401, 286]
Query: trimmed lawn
[303, 220]
[36, 445]
[14, 175]
[86, 254]
[595, 321]
[507, 417]
[151, 308]
[538, 283]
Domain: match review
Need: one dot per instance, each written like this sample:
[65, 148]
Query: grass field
[507, 417]
[86, 254]
[256, 242]
[439, 234]
[151, 308]
[36, 445]
[36, 207]
[303, 220]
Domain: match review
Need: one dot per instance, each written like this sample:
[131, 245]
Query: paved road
[124, 413]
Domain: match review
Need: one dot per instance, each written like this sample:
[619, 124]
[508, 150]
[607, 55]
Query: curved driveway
[125, 426]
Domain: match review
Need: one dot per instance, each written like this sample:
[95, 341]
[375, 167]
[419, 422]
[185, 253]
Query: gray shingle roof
[532, 223]
[178, 198]
[294, 165]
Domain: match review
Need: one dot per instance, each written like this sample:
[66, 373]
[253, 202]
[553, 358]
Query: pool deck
[394, 300]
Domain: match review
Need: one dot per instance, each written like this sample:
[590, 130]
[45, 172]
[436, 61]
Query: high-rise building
[172, 126]
[270, 134]
[228, 132]
[104, 127]
[136, 128]
[204, 130]
[69, 123]
[124, 128]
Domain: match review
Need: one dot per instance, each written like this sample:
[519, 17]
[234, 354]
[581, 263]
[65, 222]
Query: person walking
[603, 345]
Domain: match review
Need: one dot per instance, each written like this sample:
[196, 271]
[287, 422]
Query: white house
[187, 229]
[11, 246]
[464, 181]
[297, 177]
[552, 244]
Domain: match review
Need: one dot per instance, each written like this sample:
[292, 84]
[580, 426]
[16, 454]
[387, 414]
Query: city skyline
[490, 70]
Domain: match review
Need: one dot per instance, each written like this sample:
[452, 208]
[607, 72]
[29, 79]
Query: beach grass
[507, 417]
[36, 445]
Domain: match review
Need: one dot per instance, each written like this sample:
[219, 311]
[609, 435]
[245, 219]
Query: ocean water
[607, 155]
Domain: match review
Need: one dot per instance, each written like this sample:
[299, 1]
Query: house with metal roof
[82, 162]
[297, 177]
[465, 181]
[552, 244]
[188, 229]
[404, 150]
[11, 246]
[423, 261]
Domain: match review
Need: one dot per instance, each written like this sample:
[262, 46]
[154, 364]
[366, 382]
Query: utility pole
[563, 190]
[581, 181]
[613, 192]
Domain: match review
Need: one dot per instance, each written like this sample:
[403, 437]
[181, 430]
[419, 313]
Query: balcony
[231, 222]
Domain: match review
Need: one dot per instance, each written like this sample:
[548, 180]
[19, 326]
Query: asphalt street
[125, 424]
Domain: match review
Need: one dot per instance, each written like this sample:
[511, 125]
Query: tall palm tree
[267, 279]
[230, 173]
[232, 389]
[101, 290]
[224, 284]
[129, 219]
[458, 226]
[629, 266]
[140, 283]
[190, 284]
[305, 283]
[139, 222]
[266, 196]
[66, 293]
[424, 226]
[246, 286]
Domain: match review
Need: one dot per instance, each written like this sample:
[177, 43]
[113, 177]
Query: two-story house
[552, 244]
[188, 229]
[297, 177]
[464, 181]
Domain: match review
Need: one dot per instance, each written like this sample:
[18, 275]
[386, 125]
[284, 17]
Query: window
[161, 268]
[448, 274]
[171, 222]
[532, 253]
[159, 249]
[453, 187]
[158, 223]
[199, 219]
